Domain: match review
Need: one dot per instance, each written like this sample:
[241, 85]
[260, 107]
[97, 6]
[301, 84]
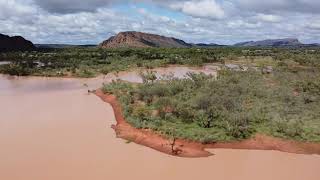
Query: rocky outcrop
[132, 39]
[15, 43]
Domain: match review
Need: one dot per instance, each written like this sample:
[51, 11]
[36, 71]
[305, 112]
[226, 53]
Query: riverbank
[184, 148]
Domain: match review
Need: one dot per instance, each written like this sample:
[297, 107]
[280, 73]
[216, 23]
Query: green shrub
[233, 106]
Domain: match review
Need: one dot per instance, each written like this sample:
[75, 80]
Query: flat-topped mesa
[15, 43]
[272, 43]
[132, 39]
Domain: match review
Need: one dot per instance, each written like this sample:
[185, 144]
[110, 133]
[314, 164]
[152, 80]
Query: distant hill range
[203, 45]
[61, 46]
[15, 43]
[142, 40]
[287, 42]
[132, 39]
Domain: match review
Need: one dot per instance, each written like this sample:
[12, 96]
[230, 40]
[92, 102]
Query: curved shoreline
[183, 148]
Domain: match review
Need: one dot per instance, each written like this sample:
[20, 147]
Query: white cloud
[314, 25]
[242, 24]
[269, 18]
[73, 6]
[199, 21]
[13, 9]
[261, 6]
[203, 8]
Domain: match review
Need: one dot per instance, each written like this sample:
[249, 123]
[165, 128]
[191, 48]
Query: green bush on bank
[233, 106]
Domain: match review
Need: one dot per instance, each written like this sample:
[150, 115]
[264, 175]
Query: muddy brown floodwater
[51, 129]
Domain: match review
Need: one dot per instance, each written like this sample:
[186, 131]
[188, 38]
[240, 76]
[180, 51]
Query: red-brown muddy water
[51, 129]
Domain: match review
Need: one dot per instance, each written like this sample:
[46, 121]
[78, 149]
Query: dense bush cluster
[233, 106]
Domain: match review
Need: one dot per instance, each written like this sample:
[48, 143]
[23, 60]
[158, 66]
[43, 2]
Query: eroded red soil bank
[184, 148]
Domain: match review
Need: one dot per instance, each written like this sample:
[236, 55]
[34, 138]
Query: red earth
[183, 148]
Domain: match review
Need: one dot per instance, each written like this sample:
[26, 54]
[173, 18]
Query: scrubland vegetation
[233, 106]
[90, 62]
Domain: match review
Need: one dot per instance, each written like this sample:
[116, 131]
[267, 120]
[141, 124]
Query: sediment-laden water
[50, 128]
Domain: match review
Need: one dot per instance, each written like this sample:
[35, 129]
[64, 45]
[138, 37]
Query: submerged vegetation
[232, 106]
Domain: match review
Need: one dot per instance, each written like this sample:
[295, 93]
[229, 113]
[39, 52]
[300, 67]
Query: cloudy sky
[209, 21]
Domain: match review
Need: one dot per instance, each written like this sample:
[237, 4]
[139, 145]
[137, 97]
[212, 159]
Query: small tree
[173, 139]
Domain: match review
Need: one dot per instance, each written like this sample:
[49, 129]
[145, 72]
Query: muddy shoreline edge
[183, 148]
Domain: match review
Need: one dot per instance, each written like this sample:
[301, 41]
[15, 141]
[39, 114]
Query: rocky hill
[132, 39]
[272, 43]
[15, 43]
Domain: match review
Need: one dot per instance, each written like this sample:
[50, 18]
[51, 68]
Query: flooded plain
[50, 128]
